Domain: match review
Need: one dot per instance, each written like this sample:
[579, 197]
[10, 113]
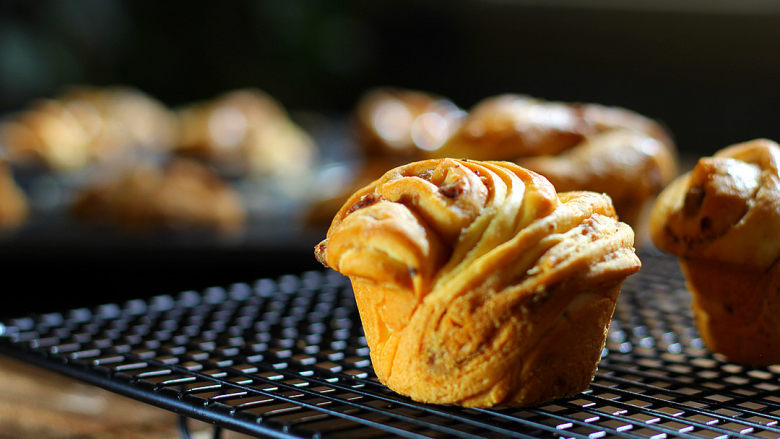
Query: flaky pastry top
[441, 224]
[726, 209]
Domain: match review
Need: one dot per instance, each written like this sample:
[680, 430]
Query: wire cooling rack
[287, 358]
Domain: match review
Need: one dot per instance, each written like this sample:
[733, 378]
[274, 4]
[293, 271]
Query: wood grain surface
[36, 403]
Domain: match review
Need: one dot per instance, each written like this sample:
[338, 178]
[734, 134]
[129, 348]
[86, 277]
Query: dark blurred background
[709, 70]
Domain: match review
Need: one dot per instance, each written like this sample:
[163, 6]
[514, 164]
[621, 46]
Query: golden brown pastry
[577, 146]
[479, 285]
[183, 195]
[14, 208]
[722, 220]
[245, 131]
[509, 126]
[403, 123]
[86, 125]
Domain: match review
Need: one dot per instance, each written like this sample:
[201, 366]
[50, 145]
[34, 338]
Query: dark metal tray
[287, 358]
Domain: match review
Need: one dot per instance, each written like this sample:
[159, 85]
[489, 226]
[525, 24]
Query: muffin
[245, 132]
[722, 221]
[183, 195]
[86, 125]
[14, 207]
[576, 146]
[477, 284]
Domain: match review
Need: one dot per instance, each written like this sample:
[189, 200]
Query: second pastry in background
[183, 195]
[86, 125]
[245, 132]
[722, 220]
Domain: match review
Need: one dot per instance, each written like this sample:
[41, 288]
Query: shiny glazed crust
[477, 284]
[722, 219]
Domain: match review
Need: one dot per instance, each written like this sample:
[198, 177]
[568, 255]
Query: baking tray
[287, 358]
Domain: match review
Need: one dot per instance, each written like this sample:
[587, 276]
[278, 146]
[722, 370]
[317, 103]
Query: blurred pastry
[245, 132]
[14, 207]
[183, 195]
[403, 123]
[86, 125]
[722, 221]
[631, 166]
[508, 126]
[577, 146]
[479, 285]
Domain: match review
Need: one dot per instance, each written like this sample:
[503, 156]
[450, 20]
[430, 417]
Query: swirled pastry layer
[477, 283]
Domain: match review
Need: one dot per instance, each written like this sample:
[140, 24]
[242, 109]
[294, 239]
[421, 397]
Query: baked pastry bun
[86, 125]
[722, 220]
[577, 146]
[183, 195]
[14, 207]
[244, 132]
[477, 284]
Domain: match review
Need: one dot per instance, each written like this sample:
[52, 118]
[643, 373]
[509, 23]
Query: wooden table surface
[36, 403]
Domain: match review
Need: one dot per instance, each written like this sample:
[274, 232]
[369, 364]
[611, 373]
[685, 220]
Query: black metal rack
[287, 358]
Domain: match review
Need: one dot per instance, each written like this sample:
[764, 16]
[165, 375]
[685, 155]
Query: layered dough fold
[722, 219]
[477, 283]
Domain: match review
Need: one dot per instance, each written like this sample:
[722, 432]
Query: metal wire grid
[287, 358]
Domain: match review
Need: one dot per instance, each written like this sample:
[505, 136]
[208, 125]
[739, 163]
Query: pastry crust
[722, 220]
[479, 285]
[509, 126]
